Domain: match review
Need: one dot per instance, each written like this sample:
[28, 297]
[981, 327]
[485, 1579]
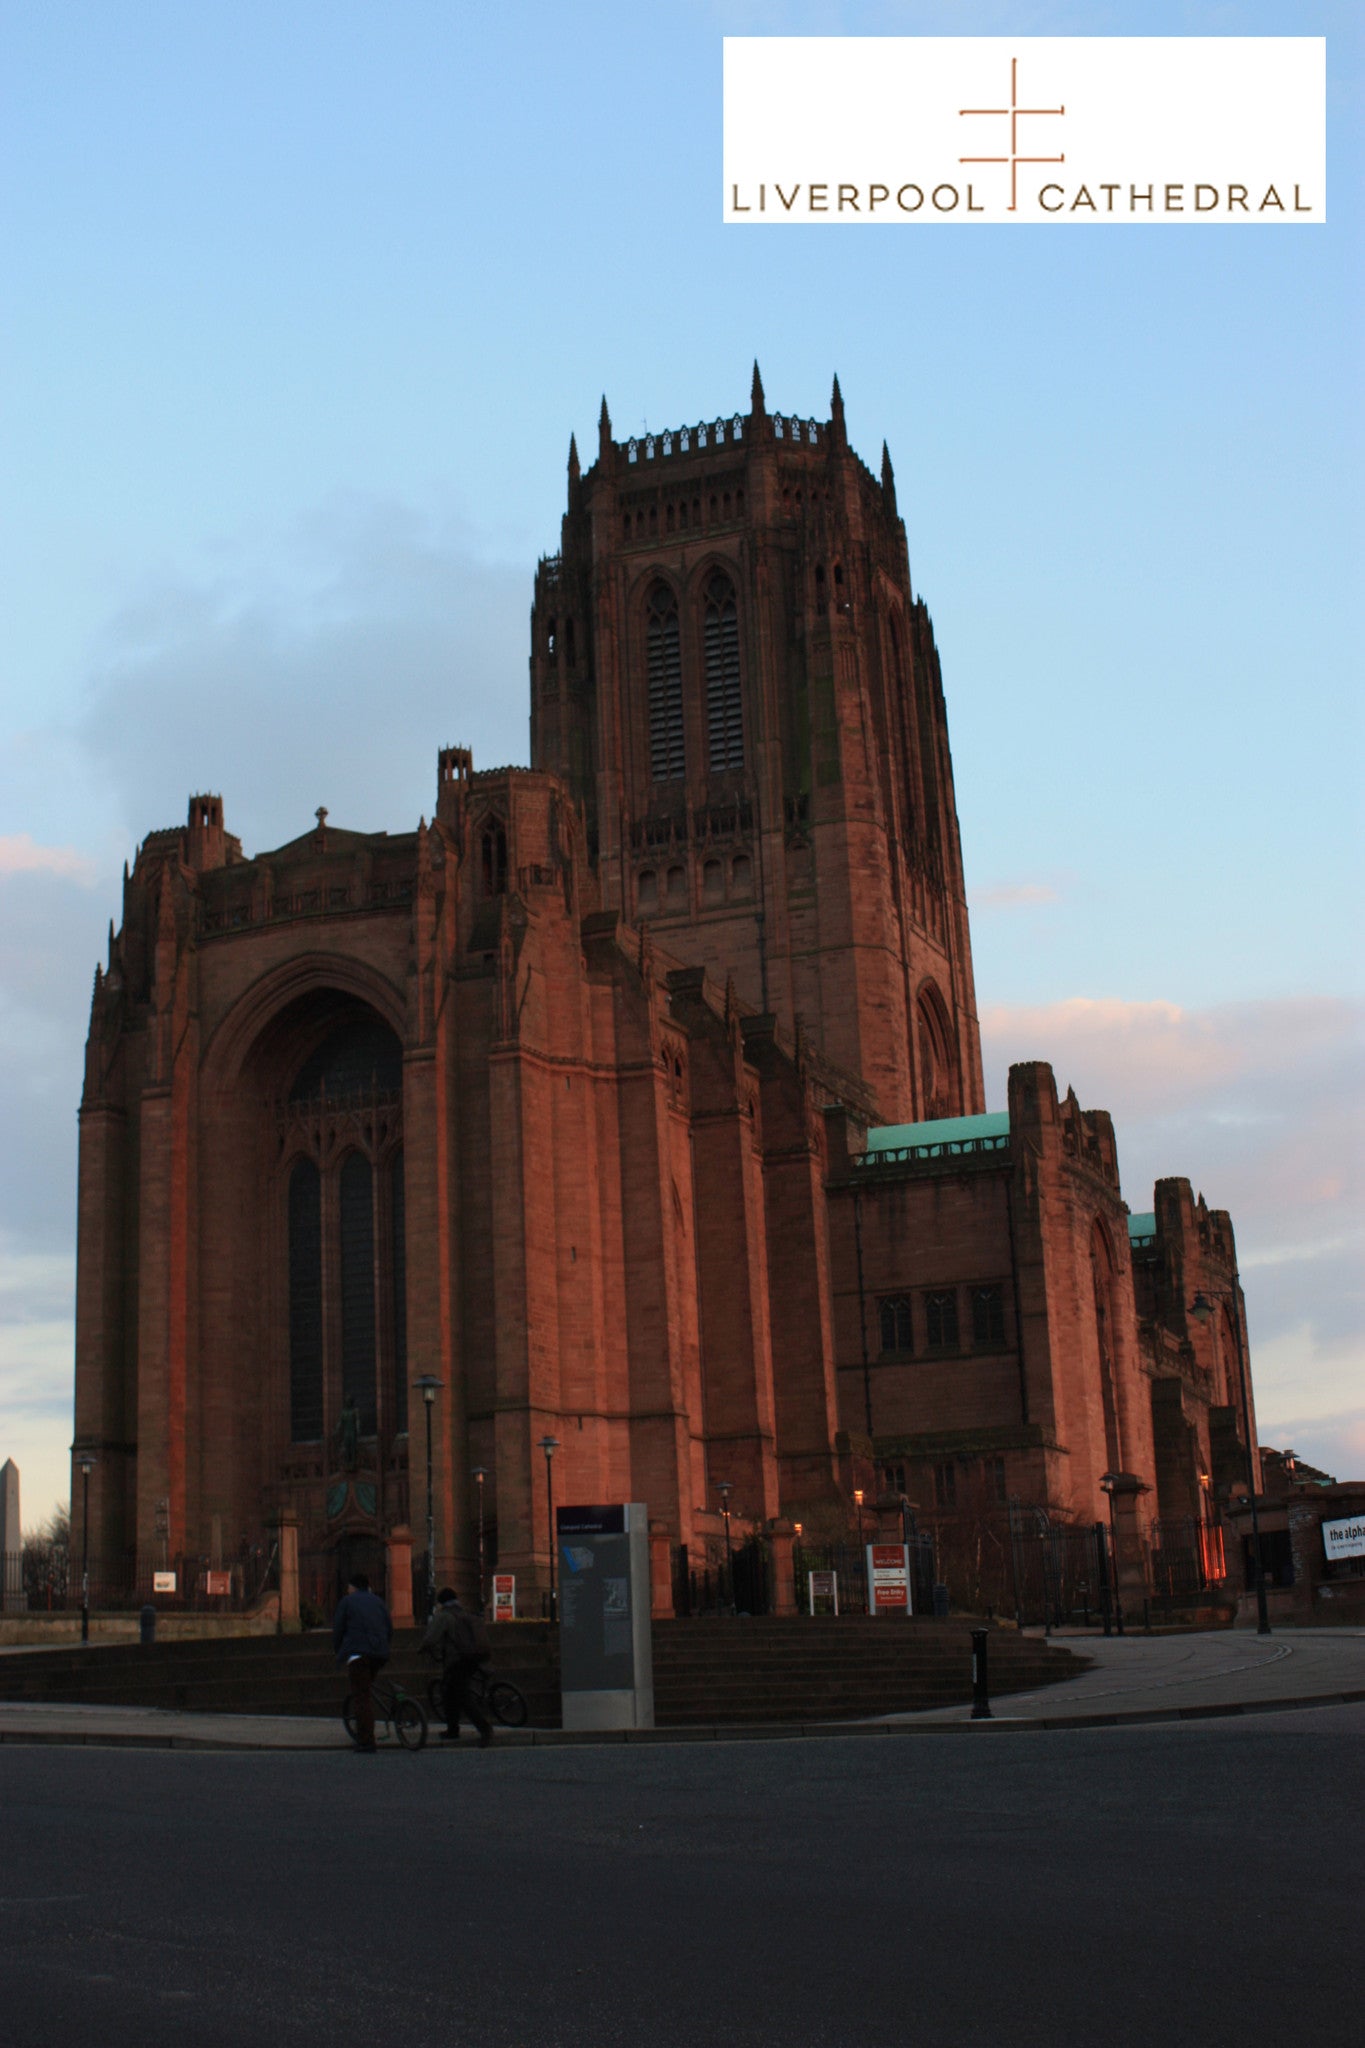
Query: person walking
[460, 1640]
[362, 1635]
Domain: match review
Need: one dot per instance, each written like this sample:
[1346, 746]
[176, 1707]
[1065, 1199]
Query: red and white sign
[504, 1596]
[216, 1583]
[888, 1578]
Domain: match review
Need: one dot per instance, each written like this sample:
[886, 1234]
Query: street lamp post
[1201, 1308]
[725, 1487]
[1107, 1487]
[862, 1548]
[429, 1387]
[86, 1462]
[480, 1474]
[550, 1444]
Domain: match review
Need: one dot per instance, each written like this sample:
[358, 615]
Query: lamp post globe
[428, 1386]
[1201, 1308]
[1107, 1482]
[725, 1487]
[480, 1474]
[550, 1444]
[86, 1461]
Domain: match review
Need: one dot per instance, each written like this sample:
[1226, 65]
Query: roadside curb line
[779, 1731]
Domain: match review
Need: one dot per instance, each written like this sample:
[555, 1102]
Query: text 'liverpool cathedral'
[637, 1099]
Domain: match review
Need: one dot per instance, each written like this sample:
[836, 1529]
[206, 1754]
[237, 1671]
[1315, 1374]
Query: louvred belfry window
[666, 761]
[724, 718]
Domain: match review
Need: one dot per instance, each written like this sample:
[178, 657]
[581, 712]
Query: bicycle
[401, 1714]
[502, 1699]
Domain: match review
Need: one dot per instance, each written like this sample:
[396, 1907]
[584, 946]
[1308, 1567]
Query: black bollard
[981, 1706]
[147, 1624]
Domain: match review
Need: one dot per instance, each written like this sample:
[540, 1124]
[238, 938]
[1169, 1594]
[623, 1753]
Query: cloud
[21, 855]
[1013, 895]
[322, 665]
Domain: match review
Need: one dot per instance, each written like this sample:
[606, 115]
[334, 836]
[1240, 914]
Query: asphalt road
[1153, 1886]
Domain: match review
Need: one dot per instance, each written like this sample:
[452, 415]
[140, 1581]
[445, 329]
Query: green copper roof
[1142, 1226]
[945, 1130]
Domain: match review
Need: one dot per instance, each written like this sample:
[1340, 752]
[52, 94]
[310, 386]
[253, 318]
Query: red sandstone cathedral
[637, 1098]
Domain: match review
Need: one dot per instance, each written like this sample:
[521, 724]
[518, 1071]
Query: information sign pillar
[605, 1653]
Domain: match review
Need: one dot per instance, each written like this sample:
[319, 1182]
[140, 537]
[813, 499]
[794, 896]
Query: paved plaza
[1188, 1882]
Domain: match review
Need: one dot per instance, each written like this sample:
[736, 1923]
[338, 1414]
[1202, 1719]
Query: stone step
[716, 1669]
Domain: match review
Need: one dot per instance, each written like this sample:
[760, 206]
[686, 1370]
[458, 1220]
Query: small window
[995, 1481]
[940, 1320]
[713, 880]
[742, 875]
[945, 1484]
[649, 890]
[895, 1322]
[677, 886]
[893, 1478]
[988, 1318]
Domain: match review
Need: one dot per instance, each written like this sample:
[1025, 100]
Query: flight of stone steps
[706, 1672]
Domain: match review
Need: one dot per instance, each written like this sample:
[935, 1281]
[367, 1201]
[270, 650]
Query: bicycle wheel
[409, 1722]
[505, 1703]
[348, 1719]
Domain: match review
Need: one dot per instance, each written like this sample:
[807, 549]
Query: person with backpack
[362, 1636]
[460, 1640]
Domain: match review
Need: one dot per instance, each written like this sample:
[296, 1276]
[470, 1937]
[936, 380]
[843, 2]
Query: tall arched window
[666, 761]
[935, 1059]
[398, 1242]
[341, 1129]
[724, 719]
[357, 1290]
[305, 1302]
[494, 852]
[1102, 1280]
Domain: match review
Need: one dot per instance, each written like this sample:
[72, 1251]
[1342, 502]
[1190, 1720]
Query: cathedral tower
[732, 674]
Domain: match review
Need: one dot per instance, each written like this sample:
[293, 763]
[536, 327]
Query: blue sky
[301, 304]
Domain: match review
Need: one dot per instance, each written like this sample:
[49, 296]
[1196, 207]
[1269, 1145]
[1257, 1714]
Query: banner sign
[504, 1596]
[1345, 1538]
[163, 1582]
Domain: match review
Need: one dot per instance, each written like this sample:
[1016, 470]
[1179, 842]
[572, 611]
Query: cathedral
[636, 1099]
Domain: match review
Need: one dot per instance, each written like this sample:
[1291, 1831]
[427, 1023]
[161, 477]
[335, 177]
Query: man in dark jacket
[362, 1634]
[460, 1640]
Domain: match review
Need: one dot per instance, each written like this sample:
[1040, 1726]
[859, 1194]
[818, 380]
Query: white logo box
[860, 131]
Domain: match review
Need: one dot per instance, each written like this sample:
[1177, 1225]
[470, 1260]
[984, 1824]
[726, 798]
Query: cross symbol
[1016, 113]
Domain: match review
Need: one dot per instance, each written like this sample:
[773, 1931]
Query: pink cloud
[21, 855]
[1008, 895]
